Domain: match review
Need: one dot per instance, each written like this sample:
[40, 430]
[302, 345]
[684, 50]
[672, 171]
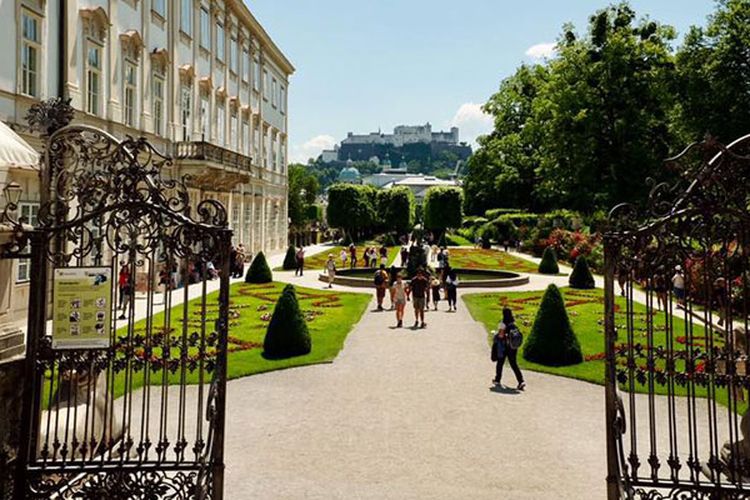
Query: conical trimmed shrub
[581, 277]
[552, 341]
[290, 260]
[287, 334]
[548, 265]
[259, 272]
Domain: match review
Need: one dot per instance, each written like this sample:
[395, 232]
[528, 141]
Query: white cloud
[300, 153]
[541, 51]
[472, 122]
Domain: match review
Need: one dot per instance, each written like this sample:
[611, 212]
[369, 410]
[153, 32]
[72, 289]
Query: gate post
[35, 329]
[225, 241]
[610, 379]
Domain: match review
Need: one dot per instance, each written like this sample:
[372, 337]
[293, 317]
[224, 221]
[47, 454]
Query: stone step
[11, 338]
[12, 352]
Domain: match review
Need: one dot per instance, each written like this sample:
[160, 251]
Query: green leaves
[443, 208]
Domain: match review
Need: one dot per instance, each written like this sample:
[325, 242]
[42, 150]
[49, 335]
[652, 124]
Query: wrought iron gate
[144, 417]
[677, 373]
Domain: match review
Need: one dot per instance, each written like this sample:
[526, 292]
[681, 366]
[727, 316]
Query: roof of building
[244, 11]
[349, 174]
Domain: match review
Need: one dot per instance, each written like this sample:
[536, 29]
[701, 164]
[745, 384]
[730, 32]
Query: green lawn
[316, 262]
[478, 258]
[458, 240]
[331, 316]
[586, 312]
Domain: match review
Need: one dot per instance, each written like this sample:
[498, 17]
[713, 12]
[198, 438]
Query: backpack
[514, 336]
[379, 279]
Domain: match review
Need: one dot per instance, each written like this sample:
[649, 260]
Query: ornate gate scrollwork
[143, 418]
[678, 359]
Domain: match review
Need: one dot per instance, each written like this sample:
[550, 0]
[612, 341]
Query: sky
[368, 65]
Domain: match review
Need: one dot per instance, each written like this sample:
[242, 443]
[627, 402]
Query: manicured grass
[478, 258]
[457, 240]
[586, 312]
[317, 261]
[331, 316]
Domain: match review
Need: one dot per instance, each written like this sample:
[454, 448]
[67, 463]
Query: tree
[290, 259]
[396, 209]
[259, 272]
[351, 207]
[552, 341]
[581, 277]
[502, 172]
[443, 208]
[287, 334]
[713, 76]
[549, 265]
[303, 190]
[604, 111]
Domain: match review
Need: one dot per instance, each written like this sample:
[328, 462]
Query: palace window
[245, 65]
[245, 137]
[28, 213]
[130, 93]
[160, 7]
[266, 84]
[186, 102]
[220, 121]
[204, 114]
[256, 74]
[94, 78]
[248, 221]
[282, 99]
[220, 42]
[158, 103]
[31, 48]
[274, 95]
[233, 144]
[233, 56]
[205, 29]
[186, 17]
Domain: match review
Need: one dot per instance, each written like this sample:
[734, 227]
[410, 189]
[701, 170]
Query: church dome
[350, 174]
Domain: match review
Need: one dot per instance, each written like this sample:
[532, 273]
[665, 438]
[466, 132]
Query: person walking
[435, 288]
[384, 256]
[300, 259]
[505, 344]
[344, 257]
[451, 289]
[123, 284]
[398, 292]
[331, 269]
[678, 285]
[404, 255]
[392, 273]
[240, 261]
[381, 285]
[417, 290]
[353, 256]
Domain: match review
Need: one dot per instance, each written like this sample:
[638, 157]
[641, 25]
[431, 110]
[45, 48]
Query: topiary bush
[548, 265]
[287, 334]
[581, 277]
[552, 341]
[290, 260]
[259, 272]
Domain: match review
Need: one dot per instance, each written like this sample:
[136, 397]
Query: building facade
[200, 79]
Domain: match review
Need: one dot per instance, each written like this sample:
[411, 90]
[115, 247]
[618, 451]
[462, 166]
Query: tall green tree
[303, 190]
[351, 207]
[713, 76]
[443, 208]
[396, 209]
[604, 111]
[502, 172]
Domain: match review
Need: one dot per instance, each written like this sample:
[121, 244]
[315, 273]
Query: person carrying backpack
[505, 344]
[381, 285]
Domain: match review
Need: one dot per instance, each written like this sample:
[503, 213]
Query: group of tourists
[421, 290]
[371, 256]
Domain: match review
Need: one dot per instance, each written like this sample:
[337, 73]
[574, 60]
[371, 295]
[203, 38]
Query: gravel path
[411, 414]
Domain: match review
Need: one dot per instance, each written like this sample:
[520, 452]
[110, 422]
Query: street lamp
[12, 193]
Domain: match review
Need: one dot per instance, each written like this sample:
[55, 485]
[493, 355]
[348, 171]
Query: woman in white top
[398, 294]
[344, 257]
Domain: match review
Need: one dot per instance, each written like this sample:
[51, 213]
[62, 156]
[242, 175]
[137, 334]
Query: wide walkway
[412, 414]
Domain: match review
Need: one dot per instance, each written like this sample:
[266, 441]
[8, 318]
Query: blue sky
[369, 64]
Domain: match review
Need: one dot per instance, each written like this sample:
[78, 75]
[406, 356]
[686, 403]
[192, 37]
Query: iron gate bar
[701, 224]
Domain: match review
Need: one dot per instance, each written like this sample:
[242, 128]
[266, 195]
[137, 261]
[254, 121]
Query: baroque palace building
[200, 79]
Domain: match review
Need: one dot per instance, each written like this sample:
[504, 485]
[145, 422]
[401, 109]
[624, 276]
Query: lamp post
[12, 193]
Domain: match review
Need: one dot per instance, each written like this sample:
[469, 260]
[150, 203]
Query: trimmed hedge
[548, 265]
[290, 260]
[581, 277]
[552, 341]
[287, 334]
[259, 272]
